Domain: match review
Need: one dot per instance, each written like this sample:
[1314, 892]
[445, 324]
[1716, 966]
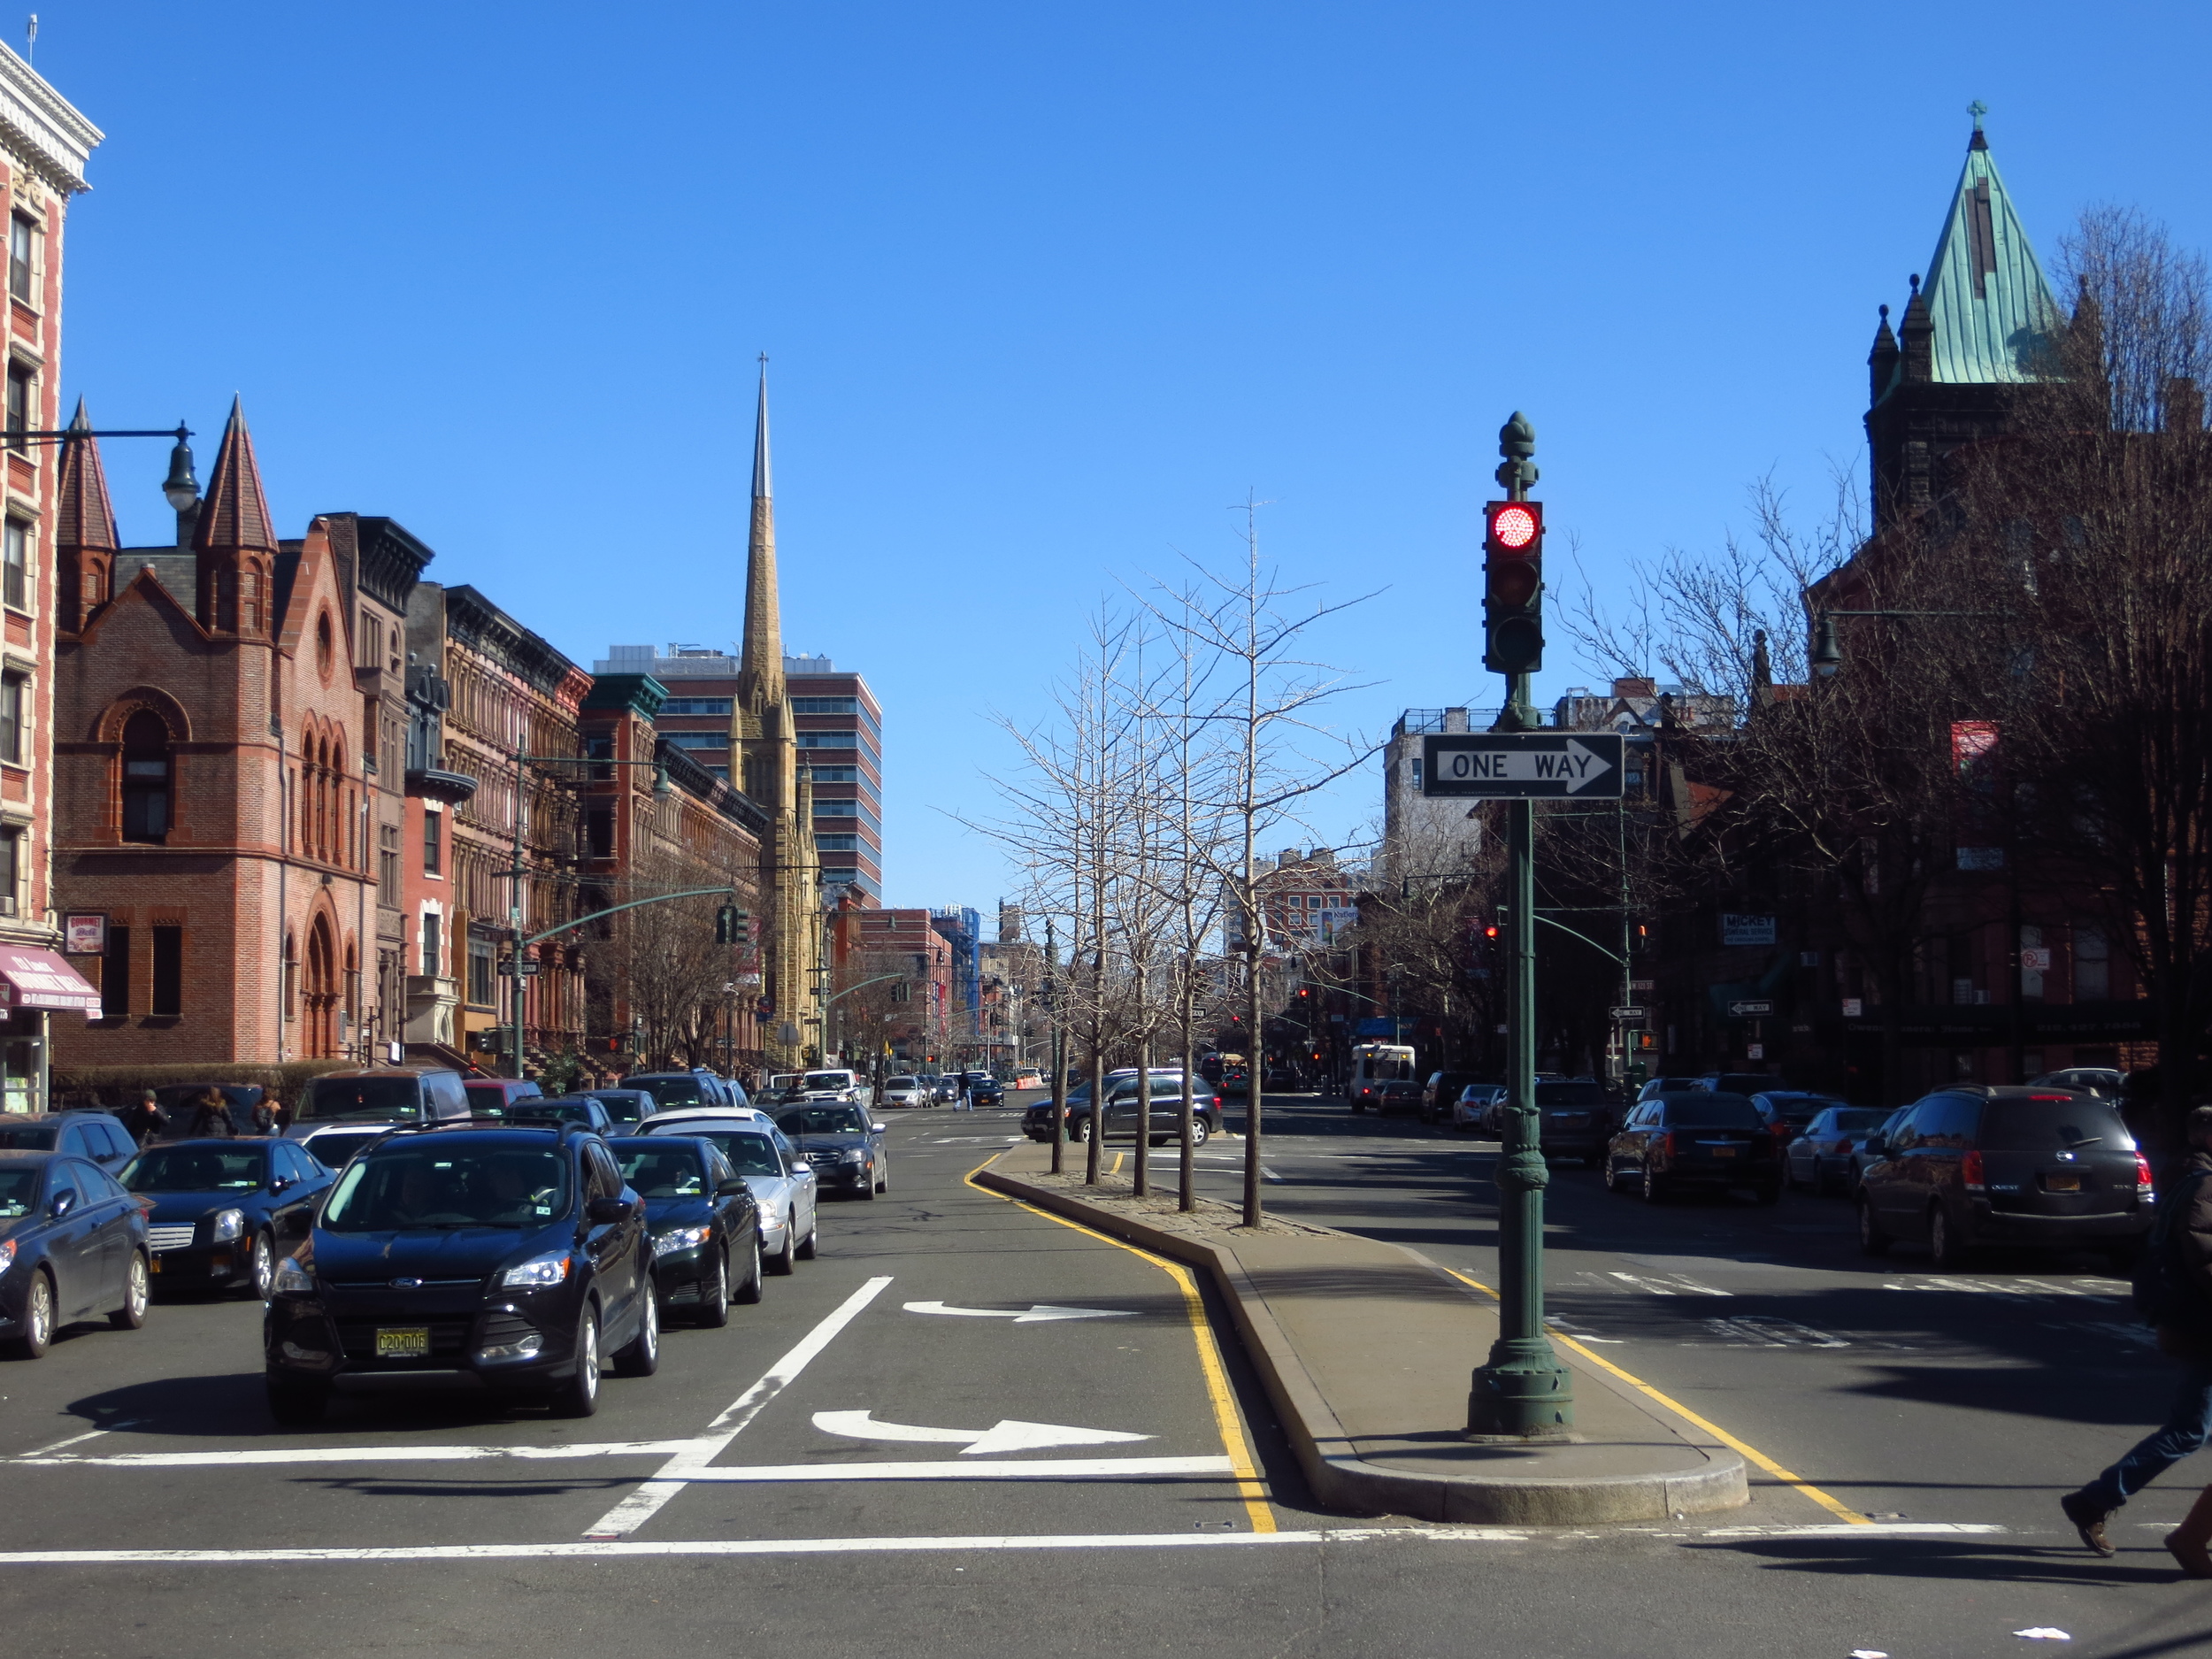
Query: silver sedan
[783, 1185]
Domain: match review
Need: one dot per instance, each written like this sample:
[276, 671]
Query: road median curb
[1710, 1477]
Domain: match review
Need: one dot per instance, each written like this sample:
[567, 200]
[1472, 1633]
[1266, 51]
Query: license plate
[1723, 1152]
[2062, 1183]
[406, 1341]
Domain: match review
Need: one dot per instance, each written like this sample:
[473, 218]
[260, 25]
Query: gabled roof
[235, 514]
[1994, 318]
[86, 517]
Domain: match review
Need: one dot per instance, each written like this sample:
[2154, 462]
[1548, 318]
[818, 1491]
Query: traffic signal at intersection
[732, 927]
[1513, 586]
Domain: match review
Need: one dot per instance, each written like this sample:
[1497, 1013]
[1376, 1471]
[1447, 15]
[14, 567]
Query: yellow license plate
[407, 1342]
[1723, 1152]
[2062, 1183]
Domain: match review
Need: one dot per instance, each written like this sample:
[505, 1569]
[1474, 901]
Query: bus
[1373, 1065]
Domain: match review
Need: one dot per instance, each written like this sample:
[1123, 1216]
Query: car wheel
[1945, 1249]
[38, 1320]
[1653, 1193]
[883, 1181]
[749, 1288]
[579, 1396]
[714, 1296]
[784, 1260]
[264, 1279]
[640, 1356]
[1199, 1131]
[137, 1290]
[1080, 1128]
[868, 1187]
[296, 1402]
[1872, 1239]
[805, 1250]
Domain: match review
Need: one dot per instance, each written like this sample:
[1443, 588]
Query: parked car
[1439, 1093]
[1166, 1115]
[1707, 1140]
[1574, 1120]
[72, 1246]
[1472, 1111]
[1861, 1157]
[1819, 1156]
[1658, 1086]
[491, 1096]
[393, 1094]
[704, 1222]
[783, 1184]
[1787, 1112]
[96, 1137]
[697, 1087]
[624, 1106]
[1972, 1165]
[843, 1142]
[514, 1253]
[221, 1212]
[906, 1091]
[2099, 1080]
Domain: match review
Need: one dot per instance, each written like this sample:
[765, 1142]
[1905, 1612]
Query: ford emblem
[407, 1284]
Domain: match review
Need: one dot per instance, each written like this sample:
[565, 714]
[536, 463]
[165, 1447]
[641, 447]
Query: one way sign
[1523, 766]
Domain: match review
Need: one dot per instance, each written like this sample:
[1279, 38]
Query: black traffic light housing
[1513, 586]
[732, 927]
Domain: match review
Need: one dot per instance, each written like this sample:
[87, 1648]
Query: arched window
[146, 815]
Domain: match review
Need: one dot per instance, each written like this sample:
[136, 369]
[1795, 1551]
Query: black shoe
[2089, 1517]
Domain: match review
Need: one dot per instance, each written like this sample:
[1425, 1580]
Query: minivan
[389, 1094]
[2017, 1164]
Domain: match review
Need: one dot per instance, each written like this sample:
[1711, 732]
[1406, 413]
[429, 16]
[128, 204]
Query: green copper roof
[1994, 318]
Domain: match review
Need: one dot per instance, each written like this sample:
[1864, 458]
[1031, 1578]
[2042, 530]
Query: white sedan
[782, 1183]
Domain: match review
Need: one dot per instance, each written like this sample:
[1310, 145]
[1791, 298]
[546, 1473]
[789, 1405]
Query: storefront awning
[40, 978]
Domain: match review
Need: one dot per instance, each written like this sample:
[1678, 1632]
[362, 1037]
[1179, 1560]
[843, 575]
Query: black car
[1708, 1140]
[1787, 1112]
[1439, 1092]
[1820, 1156]
[1971, 1165]
[986, 1091]
[72, 1246]
[1167, 1108]
[841, 1144]
[704, 1225]
[625, 1105]
[1574, 1120]
[222, 1211]
[96, 1137]
[584, 1110]
[512, 1253]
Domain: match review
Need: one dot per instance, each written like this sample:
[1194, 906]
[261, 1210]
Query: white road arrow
[1037, 1313]
[1008, 1435]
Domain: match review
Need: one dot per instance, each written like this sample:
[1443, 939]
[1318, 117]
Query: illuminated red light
[1513, 527]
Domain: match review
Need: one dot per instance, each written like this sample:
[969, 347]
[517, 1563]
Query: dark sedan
[1787, 1112]
[1680, 1142]
[72, 1246]
[987, 1091]
[1821, 1158]
[222, 1211]
[841, 1144]
[704, 1225]
[1574, 1120]
[625, 1105]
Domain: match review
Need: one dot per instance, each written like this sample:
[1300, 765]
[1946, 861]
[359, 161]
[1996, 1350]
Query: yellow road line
[1227, 1422]
[1118, 1158]
[1842, 1511]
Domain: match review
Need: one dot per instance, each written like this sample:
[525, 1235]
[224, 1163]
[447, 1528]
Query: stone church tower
[763, 746]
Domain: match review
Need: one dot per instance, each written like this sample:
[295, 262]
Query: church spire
[1993, 316]
[84, 531]
[760, 670]
[235, 542]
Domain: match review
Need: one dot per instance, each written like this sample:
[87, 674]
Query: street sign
[1630, 1014]
[1749, 1010]
[530, 966]
[1523, 766]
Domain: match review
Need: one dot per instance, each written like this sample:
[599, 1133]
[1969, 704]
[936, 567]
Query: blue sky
[1046, 288]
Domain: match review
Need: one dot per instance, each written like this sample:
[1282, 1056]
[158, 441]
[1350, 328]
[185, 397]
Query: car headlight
[292, 1279]
[229, 1224]
[540, 1271]
[7, 1254]
[677, 1240]
[852, 1155]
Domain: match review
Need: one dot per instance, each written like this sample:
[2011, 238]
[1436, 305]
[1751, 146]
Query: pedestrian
[144, 1122]
[2174, 1287]
[263, 1115]
[209, 1115]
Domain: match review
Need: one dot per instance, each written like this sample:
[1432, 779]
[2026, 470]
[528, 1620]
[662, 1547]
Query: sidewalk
[1366, 1350]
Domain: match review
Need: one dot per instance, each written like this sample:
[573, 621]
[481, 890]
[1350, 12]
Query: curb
[1358, 1488]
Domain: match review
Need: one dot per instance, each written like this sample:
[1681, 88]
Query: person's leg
[2186, 1542]
[2187, 1426]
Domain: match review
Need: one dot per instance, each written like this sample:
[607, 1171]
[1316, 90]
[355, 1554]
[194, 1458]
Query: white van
[1373, 1065]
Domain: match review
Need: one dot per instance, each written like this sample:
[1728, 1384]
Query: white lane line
[1269, 1173]
[643, 1504]
[609, 1548]
[401, 1454]
[1036, 1313]
[1008, 1434]
[1034, 1469]
[78, 1439]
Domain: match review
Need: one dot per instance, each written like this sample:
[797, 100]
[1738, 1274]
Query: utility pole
[1522, 1391]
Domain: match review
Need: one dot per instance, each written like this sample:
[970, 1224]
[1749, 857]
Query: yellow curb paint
[1227, 1422]
[1118, 1158]
[1842, 1511]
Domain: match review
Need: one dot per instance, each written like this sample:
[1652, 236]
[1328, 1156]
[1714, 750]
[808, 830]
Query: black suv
[96, 1137]
[515, 1254]
[2016, 1165]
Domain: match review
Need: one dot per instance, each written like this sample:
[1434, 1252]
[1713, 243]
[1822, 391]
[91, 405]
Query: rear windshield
[672, 1091]
[196, 1170]
[899, 1082]
[1570, 1094]
[1860, 1118]
[18, 1191]
[398, 1098]
[28, 1137]
[449, 1187]
[1712, 1112]
[820, 1081]
[749, 1151]
[2058, 1125]
[624, 1109]
[334, 1150]
[1802, 1111]
[823, 1120]
[673, 1172]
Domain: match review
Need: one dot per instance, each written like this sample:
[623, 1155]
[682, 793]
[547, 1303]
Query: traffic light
[732, 927]
[1513, 586]
[1490, 931]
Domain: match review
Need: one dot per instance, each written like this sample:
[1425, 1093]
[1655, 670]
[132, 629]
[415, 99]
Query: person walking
[210, 1116]
[143, 1122]
[2174, 1288]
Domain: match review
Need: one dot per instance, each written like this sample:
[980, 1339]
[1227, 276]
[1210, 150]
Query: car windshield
[823, 1120]
[432, 1186]
[671, 1091]
[1570, 1095]
[749, 1151]
[1712, 1112]
[393, 1097]
[196, 1170]
[18, 1191]
[2060, 1123]
[819, 1080]
[899, 1082]
[677, 1173]
[28, 1137]
[1855, 1118]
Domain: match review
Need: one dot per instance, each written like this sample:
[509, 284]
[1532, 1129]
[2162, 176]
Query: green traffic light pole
[1522, 1392]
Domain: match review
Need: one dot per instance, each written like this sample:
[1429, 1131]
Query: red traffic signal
[1513, 586]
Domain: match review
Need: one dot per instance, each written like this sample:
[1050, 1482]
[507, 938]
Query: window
[835, 774]
[433, 945]
[115, 975]
[14, 695]
[1416, 772]
[431, 851]
[19, 405]
[829, 740]
[838, 843]
[825, 705]
[696, 705]
[600, 746]
[2092, 964]
[145, 778]
[480, 980]
[371, 643]
[599, 829]
[15, 564]
[696, 740]
[168, 971]
[388, 865]
[11, 868]
[20, 230]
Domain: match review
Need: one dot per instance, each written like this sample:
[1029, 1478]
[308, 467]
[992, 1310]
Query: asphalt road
[783, 1521]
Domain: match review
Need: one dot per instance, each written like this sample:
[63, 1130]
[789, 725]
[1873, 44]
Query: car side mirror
[731, 1189]
[607, 1211]
[875, 1128]
[1878, 1146]
[278, 1183]
[64, 1203]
